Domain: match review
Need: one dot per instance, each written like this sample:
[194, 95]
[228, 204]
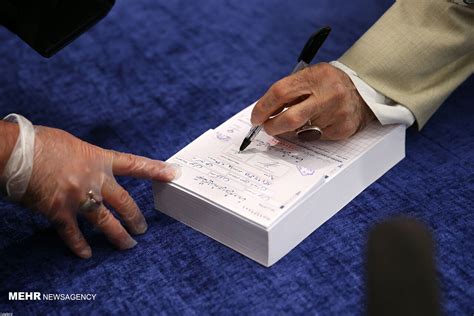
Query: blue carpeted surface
[153, 76]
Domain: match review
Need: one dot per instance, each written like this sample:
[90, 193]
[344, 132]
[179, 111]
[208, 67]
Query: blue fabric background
[154, 75]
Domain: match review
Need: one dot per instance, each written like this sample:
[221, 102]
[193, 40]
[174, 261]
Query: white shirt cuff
[386, 110]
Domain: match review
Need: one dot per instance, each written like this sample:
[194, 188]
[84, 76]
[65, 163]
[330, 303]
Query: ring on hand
[309, 132]
[92, 203]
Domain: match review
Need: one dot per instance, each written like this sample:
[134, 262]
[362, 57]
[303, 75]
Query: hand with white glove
[70, 177]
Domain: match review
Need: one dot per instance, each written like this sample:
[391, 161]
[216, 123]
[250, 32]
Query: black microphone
[401, 273]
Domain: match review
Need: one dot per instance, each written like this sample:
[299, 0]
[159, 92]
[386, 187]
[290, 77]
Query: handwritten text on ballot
[258, 184]
[265, 180]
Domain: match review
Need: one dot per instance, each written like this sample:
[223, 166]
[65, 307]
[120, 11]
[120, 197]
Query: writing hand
[320, 93]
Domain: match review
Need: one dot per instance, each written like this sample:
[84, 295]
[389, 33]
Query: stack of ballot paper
[264, 201]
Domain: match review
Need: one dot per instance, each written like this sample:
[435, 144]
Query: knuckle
[340, 131]
[344, 113]
[123, 198]
[279, 89]
[340, 92]
[129, 210]
[126, 160]
[59, 221]
[302, 76]
[129, 161]
[73, 183]
[130, 216]
[347, 130]
[103, 217]
[70, 232]
[294, 120]
[133, 215]
[325, 69]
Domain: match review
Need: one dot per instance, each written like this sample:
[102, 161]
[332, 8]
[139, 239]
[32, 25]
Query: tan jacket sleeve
[417, 53]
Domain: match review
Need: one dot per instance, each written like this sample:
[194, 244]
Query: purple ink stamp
[305, 171]
[222, 137]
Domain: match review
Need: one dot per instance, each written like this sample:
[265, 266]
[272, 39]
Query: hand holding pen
[321, 100]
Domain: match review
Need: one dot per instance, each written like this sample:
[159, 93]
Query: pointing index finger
[141, 167]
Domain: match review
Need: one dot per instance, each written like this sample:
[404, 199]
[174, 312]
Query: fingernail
[174, 170]
[128, 243]
[178, 171]
[85, 253]
[141, 227]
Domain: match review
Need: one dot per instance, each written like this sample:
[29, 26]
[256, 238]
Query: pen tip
[244, 145]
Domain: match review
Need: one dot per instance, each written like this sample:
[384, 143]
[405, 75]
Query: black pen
[306, 56]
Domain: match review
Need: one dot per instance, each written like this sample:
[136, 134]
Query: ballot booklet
[264, 201]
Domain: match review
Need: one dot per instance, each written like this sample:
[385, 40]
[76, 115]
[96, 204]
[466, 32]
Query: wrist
[9, 135]
[17, 162]
[385, 110]
[366, 115]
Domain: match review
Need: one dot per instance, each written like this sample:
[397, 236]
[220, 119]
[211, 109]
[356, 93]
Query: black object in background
[49, 25]
[401, 273]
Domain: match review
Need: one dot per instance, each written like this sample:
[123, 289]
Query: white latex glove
[65, 169]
